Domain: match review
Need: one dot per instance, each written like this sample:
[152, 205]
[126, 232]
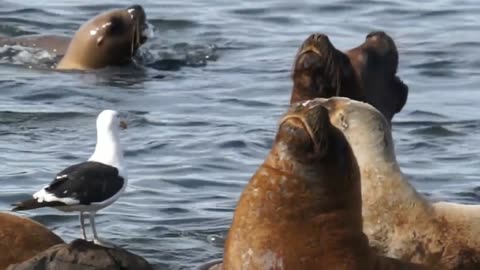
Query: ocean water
[202, 116]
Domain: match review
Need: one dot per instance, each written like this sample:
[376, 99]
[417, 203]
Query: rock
[83, 255]
[22, 238]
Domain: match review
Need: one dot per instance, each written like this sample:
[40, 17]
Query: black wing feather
[87, 182]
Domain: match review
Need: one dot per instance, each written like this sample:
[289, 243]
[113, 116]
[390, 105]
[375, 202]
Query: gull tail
[34, 204]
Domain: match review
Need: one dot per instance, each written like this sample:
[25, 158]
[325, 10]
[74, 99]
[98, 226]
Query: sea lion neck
[387, 180]
[379, 169]
[317, 179]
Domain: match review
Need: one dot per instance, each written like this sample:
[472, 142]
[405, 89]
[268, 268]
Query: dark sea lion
[399, 221]
[302, 207]
[109, 39]
[376, 64]
[22, 238]
[365, 73]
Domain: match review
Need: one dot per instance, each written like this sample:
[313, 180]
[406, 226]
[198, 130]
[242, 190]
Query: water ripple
[203, 103]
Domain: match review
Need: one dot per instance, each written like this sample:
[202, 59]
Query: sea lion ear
[401, 93]
[99, 41]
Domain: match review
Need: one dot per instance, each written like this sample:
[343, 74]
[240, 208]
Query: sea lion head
[376, 63]
[309, 145]
[109, 39]
[320, 70]
[304, 131]
[366, 129]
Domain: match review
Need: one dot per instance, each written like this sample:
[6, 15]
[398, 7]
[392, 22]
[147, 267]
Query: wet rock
[83, 255]
[22, 238]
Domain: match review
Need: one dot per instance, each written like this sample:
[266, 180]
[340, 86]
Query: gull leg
[97, 240]
[82, 226]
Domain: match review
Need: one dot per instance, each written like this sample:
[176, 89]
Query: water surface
[202, 121]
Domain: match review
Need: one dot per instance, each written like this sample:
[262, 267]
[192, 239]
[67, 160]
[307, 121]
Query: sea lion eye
[116, 26]
[343, 121]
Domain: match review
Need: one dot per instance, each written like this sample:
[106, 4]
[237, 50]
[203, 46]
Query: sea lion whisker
[132, 47]
[309, 49]
[304, 124]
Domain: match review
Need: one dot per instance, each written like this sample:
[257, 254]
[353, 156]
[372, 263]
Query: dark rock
[83, 255]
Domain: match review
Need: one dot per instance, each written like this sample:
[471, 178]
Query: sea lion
[365, 73]
[302, 207]
[22, 238]
[54, 44]
[400, 222]
[109, 39]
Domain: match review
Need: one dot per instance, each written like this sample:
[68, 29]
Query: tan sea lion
[22, 238]
[366, 73]
[302, 207]
[109, 39]
[400, 222]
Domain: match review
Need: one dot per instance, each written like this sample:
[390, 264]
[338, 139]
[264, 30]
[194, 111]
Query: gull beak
[123, 124]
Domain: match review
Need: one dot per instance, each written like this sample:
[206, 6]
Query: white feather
[108, 149]
[45, 196]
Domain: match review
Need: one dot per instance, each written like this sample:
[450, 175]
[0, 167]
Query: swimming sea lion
[399, 221]
[109, 39]
[302, 208]
[53, 44]
[22, 238]
[365, 73]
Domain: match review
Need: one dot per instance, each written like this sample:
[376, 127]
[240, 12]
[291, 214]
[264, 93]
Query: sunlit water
[203, 114]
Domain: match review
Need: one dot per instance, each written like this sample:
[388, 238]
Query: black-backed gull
[91, 185]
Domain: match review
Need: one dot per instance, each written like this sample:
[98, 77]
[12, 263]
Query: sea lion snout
[314, 52]
[311, 53]
[137, 10]
[382, 51]
[306, 129]
[320, 70]
[381, 41]
[138, 14]
[317, 43]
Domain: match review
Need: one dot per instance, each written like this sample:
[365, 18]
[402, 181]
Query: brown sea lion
[22, 238]
[109, 39]
[400, 222]
[302, 207]
[366, 73]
